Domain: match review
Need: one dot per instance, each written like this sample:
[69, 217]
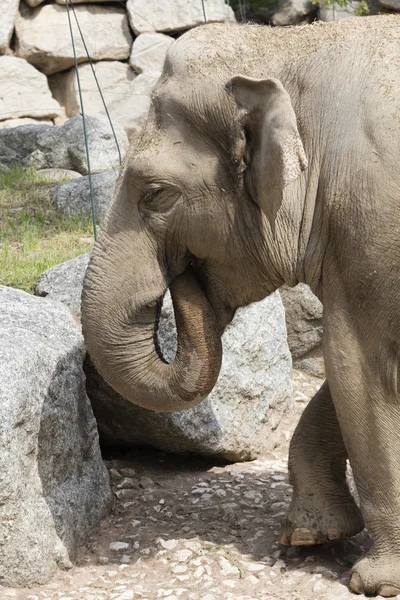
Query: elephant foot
[376, 575]
[317, 521]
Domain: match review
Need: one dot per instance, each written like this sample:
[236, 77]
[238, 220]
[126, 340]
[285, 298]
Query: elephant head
[194, 210]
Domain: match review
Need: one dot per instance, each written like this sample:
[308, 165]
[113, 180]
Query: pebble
[135, 523]
[128, 483]
[114, 475]
[227, 568]
[117, 546]
[168, 544]
[146, 482]
[183, 555]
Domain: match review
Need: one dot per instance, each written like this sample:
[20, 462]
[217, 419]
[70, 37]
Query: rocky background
[127, 43]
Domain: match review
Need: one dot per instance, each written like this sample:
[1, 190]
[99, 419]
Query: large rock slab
[54, 487]
[73, 197]
[115, 79]
[127, 95]
[294, 12]
[175, 15]
[9, 10]
[238, 419]
[64, 282]
[63, 147]
[43, 35]
[303, 313]
[236, 422]
[149, 51]
[9, 123]
[24, 91]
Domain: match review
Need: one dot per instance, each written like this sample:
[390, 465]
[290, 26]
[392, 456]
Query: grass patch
[33, 237]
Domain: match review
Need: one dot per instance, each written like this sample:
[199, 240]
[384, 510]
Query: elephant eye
[158, 198]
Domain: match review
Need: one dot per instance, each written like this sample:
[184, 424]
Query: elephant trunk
[119, 324]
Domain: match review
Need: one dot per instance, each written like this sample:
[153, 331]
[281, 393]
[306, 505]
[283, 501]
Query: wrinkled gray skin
[271, 157]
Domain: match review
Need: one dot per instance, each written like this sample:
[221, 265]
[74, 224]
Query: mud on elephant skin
[270, 157]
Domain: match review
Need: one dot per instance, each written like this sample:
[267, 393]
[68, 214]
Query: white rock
[227, 568]
[149, 51]
[175, 15]
[168, 544]
[9, 123]
[54, 487]
[43, 35]
[183, 555]
[127, 95]
[9, 9]
[117, 546]
[24, 91]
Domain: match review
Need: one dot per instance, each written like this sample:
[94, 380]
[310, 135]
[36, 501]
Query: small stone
[146, 482]
[229, 583]
[199, 572]
[128, 472]
[125, 559]
[220, 493]
[128, 483]
[135, 523]
[127, 595]
[117, 546]
[253, 567]
[103, 560]
[121, 494]
[183, 555]
[168, 544]
[226, 567]
[179, 569]
[280, 564]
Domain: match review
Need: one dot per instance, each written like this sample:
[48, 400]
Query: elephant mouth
[224, 313]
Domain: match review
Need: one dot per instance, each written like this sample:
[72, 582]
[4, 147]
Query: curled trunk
[119, 330]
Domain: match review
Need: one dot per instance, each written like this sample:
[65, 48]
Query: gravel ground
[186, 528]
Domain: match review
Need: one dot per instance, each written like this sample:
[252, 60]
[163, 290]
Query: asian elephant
[271, 156]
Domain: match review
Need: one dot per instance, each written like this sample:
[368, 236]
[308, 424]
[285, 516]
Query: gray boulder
[294, 12]
[238, 419]
[73, 197]
[54, 487]
[63, 147]
[64, 282]
[303, 313]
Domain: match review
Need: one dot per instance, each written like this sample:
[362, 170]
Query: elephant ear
[268, 140]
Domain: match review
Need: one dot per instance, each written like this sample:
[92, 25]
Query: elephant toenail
[387, 590]
[283, 538]
[302, 537]
[333, 534]
[356, 584]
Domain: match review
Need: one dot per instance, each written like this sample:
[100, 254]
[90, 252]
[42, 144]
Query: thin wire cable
[97, 82]
[204, 11]
[83, 121]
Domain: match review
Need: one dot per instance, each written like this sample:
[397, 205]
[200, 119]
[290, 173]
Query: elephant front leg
[322, 508]
[362, 369]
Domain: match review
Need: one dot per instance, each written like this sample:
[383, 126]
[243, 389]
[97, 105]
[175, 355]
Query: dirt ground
[187, 528]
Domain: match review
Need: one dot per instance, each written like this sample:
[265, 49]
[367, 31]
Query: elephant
[270, 157]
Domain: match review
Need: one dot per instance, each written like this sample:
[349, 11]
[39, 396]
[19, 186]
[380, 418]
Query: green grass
[33, 237]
